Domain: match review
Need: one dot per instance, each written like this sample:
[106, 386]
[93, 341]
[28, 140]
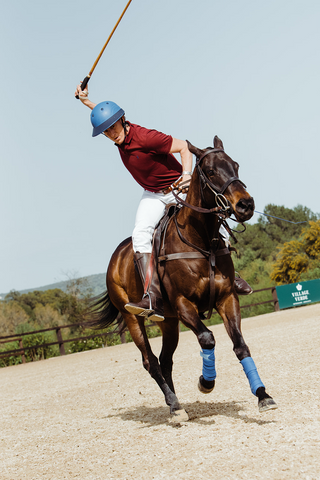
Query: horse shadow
[202, 413]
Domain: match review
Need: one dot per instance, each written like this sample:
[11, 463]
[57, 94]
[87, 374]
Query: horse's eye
[210, 172]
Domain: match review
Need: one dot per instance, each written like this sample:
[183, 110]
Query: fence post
[60, 340]
[23, 357]
[275, 300]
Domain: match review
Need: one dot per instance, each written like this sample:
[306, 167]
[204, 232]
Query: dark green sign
[296, 294]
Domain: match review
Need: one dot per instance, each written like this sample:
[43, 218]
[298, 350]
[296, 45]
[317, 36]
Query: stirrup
[142, 309]
[156, 317]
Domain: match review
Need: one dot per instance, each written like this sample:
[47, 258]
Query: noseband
[218, 192]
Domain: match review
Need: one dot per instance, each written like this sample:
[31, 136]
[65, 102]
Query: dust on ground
[98, 415]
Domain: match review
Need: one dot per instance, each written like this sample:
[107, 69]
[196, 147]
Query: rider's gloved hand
[83, 94]
[185, 182]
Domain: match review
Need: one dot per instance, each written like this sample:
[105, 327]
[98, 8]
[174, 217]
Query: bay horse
[196, 273]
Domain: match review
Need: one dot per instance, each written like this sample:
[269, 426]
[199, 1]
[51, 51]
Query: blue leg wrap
[251, 371]
[208, 368]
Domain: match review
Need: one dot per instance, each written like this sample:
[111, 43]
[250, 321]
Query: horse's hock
[97, 414]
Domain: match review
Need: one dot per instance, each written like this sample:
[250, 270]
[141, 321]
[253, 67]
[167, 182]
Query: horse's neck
[203, 225]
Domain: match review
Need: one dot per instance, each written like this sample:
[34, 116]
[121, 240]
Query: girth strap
[199, 255]
[190, 255]
[179, 256]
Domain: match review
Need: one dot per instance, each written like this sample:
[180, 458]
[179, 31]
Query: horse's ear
[196, 151]
[217, 143]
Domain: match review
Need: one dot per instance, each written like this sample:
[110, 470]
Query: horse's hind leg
[150, 362]
[229, 310]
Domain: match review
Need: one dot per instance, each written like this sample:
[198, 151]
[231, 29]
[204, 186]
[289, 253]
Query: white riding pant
[150, 210]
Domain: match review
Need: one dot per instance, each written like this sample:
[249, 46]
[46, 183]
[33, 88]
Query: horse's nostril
[245, 205]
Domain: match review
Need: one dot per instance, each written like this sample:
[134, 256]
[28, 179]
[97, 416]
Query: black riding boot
[151, 305]
[242, 287]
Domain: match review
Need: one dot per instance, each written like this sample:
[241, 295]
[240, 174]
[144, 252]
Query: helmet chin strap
[124, 124]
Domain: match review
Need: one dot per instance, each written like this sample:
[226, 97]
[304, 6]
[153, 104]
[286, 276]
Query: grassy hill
[96, 282]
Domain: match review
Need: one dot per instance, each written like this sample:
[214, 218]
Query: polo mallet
[86, 80]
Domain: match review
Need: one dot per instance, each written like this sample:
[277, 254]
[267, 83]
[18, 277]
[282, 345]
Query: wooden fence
[61, 342]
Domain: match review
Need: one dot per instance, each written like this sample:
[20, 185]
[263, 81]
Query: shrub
[84, 345]
[12, 360]
[38, 352]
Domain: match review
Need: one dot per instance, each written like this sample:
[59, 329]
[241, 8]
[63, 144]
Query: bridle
[220, 199]
[223, 210]
[223, 205]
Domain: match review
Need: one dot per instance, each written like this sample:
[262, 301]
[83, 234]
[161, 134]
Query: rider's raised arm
[83, 96]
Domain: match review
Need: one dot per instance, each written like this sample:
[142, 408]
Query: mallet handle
[86, 80]
[109, 38]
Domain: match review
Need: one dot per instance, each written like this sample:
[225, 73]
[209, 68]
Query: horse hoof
[179, 416]
[267, 404]
[205, 386]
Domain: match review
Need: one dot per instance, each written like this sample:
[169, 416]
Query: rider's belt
[169, 189]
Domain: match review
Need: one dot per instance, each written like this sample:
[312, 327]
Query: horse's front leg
[229, 311]
[189, 316]
[170, 339]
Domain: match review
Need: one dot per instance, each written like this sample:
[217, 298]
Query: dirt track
[98, 415]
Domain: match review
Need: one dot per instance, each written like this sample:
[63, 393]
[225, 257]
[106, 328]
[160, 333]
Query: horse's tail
[101, 313]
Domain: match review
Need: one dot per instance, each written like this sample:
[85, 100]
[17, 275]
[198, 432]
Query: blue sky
[247, 71]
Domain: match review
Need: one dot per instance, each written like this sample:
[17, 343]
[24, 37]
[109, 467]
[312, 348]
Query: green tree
[48, 317]
[299, 257]
[11, 315]
[260, 240]
[56, 298]
[279, 231]
[253, 243]
[50, 308]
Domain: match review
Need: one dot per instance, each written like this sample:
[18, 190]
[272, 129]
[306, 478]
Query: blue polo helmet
[104, 115]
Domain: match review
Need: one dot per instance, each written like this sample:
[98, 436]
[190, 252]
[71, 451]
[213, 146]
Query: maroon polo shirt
[145, 153]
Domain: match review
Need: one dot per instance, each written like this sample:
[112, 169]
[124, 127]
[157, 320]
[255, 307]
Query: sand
[99, 415]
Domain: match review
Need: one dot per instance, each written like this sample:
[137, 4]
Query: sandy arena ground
[98, 414]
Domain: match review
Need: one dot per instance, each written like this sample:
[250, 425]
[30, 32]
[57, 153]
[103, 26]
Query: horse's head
[218, 176]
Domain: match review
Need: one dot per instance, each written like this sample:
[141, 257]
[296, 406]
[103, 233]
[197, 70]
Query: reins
[221, 201]
[279, 218]
[193, 207]
[223, 210]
